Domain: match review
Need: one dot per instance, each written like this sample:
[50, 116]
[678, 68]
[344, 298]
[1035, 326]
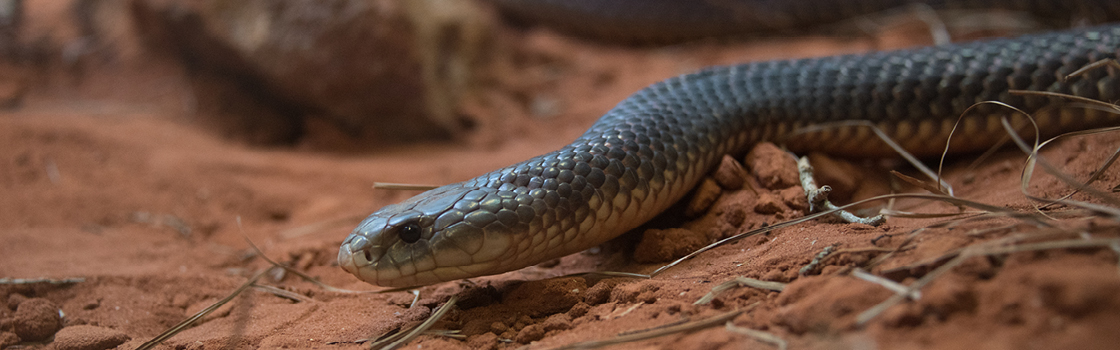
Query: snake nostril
[367, 254]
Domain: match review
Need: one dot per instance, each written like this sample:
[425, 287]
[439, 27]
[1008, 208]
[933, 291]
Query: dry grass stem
[284, 293]
[402, 338]
[886, 283]
[682, 328]
[401, 186]
[736, 283]
[758, 335]
[916, 182]
[609, 274]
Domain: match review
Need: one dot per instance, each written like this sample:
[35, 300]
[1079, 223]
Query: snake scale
[653, 147]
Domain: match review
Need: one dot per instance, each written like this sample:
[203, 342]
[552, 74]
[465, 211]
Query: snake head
[443, 234]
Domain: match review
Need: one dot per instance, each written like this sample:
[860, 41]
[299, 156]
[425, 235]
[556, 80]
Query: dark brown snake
[653, 147]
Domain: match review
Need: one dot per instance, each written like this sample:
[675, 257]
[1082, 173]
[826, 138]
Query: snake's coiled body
[653, 147]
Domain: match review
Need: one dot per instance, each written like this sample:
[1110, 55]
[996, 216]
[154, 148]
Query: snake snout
[356, 252]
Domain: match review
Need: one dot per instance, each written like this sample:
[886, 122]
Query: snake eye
[410, 232]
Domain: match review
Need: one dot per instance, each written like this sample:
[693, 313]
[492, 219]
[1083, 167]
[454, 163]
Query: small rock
[734, 216]
[557, 322]
[768, 204]
[530, 333]
[8, 339]
[579, 309]
[599, 293]
[665, 245]
[36, 319]
[774, 168]
[14, 300]
[484, 341]
[522, 321]
[702, 198]
[775, 275]
[85, 337]
[730, 175]
[498, 327]
[794, 197]
[721, 231]
[625, 294]
[790, 275]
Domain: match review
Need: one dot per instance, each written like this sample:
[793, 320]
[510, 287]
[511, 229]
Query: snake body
[654, 146]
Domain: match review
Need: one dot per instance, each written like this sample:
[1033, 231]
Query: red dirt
[149, 208]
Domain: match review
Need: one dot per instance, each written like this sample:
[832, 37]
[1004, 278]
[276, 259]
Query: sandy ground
[150, 209]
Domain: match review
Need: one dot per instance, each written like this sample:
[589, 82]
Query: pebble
[768, 204]
[36, 319]
[774, 168]
[530, 333]
[734, 216]
[484, 341]
[794, 197]
[730, 175]
[84, 337]
[8, 339]
[14, 300]
[702, 198]
[557, 322]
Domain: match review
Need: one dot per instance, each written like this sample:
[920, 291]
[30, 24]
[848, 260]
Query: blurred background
[352, 74]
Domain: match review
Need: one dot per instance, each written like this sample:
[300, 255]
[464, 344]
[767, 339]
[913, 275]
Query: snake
[653, 147]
